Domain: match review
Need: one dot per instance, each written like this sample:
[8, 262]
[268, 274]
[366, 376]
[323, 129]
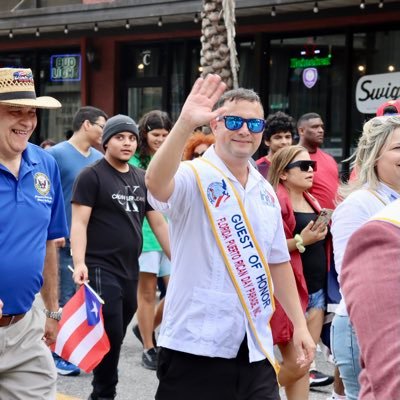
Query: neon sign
[65, 67]
[316, 61]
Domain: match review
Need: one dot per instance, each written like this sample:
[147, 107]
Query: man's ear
[213, 125]
[300, 131]
[86, 124]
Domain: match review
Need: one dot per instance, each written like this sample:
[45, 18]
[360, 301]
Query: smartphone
[322, 218]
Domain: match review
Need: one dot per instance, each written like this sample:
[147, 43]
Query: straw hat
[18, 89]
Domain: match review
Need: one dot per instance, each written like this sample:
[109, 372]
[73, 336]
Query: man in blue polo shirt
[31, 216]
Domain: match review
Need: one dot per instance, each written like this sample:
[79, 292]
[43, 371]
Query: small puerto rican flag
[81, 338]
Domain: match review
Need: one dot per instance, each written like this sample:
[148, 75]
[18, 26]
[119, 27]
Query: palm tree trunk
[218, 52]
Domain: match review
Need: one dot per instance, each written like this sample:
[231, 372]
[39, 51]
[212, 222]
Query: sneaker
[66, 368]
[319, 379]
[149, 359]
[136, 332]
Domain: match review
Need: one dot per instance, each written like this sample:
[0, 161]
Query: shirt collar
[29, 156]
[388, 192]
[254, 175]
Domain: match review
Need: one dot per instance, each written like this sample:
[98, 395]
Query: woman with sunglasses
[197, 144]
[154, 127]
[377, 183]
[291, 175]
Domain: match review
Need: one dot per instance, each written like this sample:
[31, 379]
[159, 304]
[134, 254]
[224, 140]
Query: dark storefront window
[143, 72]
[246, 58]
[158, 76]
[60, 77]
[308, 75]
[56, 74]
[178, 64]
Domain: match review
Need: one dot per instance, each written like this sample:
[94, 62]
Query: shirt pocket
[214, 317]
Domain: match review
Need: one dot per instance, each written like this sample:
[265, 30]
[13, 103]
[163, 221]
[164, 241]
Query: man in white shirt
[214, 344]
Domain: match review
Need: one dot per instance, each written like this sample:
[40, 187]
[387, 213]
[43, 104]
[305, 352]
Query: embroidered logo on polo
[42, 185]
[217, 193]
[266, 197]
[128, 199]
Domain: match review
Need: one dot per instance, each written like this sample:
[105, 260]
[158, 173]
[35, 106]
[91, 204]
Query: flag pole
[89, 287]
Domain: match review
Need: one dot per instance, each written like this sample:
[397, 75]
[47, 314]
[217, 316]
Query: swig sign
[373, 90]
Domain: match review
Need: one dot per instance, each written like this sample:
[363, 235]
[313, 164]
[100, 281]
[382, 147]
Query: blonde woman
[376, 184]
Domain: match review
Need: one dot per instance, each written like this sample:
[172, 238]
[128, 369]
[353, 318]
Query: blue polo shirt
[31, 212]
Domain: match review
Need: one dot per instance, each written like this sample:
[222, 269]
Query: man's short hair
[277, 123]
[238, 95]
[306, 117]
[89, 113]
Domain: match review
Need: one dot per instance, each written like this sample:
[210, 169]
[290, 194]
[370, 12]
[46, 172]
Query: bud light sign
[65, 67]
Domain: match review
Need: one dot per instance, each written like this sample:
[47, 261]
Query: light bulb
[273, 11]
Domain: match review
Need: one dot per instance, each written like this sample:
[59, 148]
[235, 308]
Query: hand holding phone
[322, 219]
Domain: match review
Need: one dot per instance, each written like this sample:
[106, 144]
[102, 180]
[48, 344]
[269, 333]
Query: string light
[127, 24]
[362, 4]
[66, 29]
[196, 18]
[273, 11]
[160, 22]
[10, 34]
[37, 33]
[96, 27]
[315, 9]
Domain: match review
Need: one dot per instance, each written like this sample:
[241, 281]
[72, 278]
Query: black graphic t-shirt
[119, 203]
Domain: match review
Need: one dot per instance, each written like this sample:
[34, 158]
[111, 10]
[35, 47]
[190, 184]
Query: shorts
[155, 262]
[317, 300]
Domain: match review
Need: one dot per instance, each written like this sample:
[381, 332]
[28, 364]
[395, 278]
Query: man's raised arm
[196, 111]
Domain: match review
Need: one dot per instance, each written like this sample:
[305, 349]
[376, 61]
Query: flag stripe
[78, 342]
[69, 327]
[86, 344]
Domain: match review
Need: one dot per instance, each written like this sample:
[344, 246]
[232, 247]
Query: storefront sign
[65, 67]
[373, 90]
[296, 62]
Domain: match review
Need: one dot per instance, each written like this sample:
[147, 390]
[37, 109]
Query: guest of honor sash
[240, 250]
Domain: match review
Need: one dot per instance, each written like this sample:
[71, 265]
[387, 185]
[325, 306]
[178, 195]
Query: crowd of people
[250, 266]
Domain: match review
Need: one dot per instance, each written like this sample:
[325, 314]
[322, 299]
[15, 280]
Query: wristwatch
[53, 314]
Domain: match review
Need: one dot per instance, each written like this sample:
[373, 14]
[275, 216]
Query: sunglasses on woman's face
[304, 165]
[233, 123]
[197, 155]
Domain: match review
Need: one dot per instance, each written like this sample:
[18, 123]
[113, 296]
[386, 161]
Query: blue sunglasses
[233, 123]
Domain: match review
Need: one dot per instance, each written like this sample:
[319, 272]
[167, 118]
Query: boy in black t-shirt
[109, 203]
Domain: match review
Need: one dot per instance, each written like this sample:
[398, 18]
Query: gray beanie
[119, 123]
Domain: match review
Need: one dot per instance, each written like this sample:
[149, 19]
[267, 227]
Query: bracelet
[299, 243]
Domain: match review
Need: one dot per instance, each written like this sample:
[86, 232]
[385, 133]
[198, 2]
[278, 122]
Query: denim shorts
[155, 262]
[317, 300]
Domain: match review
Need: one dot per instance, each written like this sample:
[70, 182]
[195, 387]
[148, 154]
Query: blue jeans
[67, 285]
[346, 354]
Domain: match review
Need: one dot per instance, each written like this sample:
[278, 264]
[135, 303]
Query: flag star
[94, 310]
